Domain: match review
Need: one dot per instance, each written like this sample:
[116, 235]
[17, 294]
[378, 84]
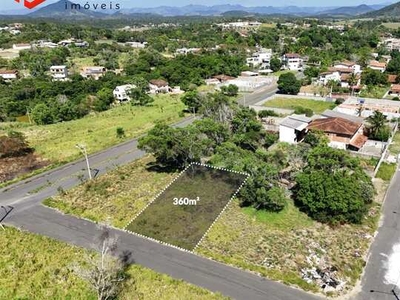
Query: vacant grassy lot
[374, 92]
[97, 131]
[206, 192]
[279, 245]
[116, 197]
[36, 267]
[276, 245]
[291, 103]
[386, 171]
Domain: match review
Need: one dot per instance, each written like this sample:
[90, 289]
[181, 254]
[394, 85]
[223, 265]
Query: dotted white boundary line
[163, 190]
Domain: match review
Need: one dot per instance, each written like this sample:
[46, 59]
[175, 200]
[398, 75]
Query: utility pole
[84, 152]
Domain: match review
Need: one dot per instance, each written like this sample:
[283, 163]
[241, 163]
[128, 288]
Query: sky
[11, 4]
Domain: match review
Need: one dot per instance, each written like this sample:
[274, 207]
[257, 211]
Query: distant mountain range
[388, 11]
[58, 10]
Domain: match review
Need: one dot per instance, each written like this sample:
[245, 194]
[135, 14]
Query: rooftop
[298, 122]
[335, 125]
[335, 114]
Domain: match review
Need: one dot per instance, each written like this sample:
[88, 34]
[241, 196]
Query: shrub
[120, 132]
[267, 113]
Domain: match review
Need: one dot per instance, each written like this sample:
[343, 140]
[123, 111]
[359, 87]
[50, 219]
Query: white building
[349, 65]
[392, 44]
[376, 65]
[260, 59]
[186, 50]
[22, 46]
[292, 129]
[325, 77]
[248, 83]
[136, 44]
[9, 75]
[292, 61]
[240, 25]
[59, 73]
[158, 86]
[121, 92]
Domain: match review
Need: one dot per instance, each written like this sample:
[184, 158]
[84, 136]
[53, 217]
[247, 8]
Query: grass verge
[386, 171]
[37, 267]
[291, 103]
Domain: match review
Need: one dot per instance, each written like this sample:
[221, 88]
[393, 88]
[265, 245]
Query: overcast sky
[11, 4]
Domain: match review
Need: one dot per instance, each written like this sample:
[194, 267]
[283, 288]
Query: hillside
[348, 11]
[388, 11]
[59, 10]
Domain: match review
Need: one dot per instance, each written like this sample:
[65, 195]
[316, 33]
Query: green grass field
[37, 267]
[291, 103]
[97, 131]
[386, 171]
[374, 92]
[275, 245]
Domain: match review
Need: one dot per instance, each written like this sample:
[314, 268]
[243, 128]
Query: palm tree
[377, 122]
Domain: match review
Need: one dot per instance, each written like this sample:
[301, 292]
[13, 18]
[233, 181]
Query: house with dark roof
[342, 133]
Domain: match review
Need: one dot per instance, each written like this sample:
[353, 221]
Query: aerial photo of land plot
[182, 214]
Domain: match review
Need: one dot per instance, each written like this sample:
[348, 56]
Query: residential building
[392, 79]
[8, 75]
[212, 81]
[376, 65]
[342, 133]
[395, 90]
[366, 107]
[121, 92]
[260, 59]
[349, 65]
[293, 128]
[223, 78]
[240, 25]
[186, 50]
[292, 61]
[392, 44]
[22, 46]
[59, 73]
[159, 86]
[346, 78]
[93, 72]
[325, 77]
[136, 44]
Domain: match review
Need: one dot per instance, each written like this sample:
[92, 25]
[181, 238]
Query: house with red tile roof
[342, 133]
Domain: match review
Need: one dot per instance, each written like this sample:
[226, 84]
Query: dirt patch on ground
[12, 167]
[381, 187]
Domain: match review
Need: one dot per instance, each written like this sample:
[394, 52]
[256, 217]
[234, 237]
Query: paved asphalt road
[26, 196]
[376, 272]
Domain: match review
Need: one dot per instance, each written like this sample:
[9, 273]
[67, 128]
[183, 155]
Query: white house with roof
[376, 65]
[136, 44]
[22, 46]
[293, 128]
[260, 59]
[292, 61]
[349, 65]
[325, 77]
[59, 73]
[121, 92]
[8, 75]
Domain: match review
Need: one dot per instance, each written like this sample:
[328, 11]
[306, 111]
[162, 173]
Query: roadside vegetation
[37, 267]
